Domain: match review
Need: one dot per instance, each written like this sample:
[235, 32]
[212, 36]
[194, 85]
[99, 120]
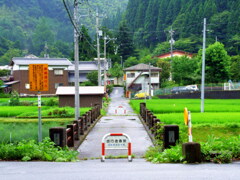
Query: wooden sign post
[38, 81]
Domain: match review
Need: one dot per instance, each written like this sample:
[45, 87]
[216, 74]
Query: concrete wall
[208, 95]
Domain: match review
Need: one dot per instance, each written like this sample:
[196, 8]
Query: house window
[154, 74]
[58, 84]
[131, 75]
[27, 86]
[58, 72]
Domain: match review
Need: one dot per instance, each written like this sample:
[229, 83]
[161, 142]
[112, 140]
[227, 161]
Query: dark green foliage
[26, 25]
[126, 48]
[116, 71]
[93, 78]
[131, 61]
[217, 63]
[4, 72]
[86, 51]
[30, 150]
[150, 21]
[183, 70]
[234, 69]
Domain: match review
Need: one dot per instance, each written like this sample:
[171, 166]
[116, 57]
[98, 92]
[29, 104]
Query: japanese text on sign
[116, 142]
[38, 77]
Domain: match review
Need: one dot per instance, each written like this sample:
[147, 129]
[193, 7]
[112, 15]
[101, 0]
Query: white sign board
[116, 141]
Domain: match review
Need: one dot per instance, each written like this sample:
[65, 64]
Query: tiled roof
[141, 67]
[86, 66]
[49, 61]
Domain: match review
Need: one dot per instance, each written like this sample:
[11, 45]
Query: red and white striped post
[116, 141]
[190, 138]
[188, 121]
[120, 107]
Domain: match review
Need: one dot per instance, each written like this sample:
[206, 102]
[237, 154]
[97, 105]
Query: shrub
[51, 102]
[30, 150]
[26, 103]
[14, 99]
[5, 95]
[109, 88]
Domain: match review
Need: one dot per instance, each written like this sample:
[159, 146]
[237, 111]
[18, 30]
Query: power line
[74, 25]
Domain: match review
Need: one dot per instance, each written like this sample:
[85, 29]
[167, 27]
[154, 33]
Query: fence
[150, 120]
[69, 136]
[208, 87]
[170, 133]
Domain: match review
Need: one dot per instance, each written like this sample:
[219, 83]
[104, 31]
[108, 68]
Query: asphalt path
[120, 118]
[117, 169]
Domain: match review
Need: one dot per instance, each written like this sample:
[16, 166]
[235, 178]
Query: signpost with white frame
[116, 141]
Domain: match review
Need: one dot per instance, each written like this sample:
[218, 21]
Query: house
[89, 95]
[137, 78]
[58, 73]
[85, 67]
[175, 53]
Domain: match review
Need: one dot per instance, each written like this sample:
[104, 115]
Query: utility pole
[149, 81]
[105, 56]
[105, 61]
[98, 49]
[171, 44]
[203, 65]
[76, 60]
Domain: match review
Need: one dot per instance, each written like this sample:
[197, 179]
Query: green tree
[235, 68]
[164, 64]
[4, 72]
[131, 61]
[86, 51]
[116, 71]
[161, 48]
[93, 78]
[149, 59]
[125, 41]
[7, 57]
[183, 70]
[217, 63]
[41, 35]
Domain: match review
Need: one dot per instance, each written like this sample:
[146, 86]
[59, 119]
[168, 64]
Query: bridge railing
[150, 120]
[170, 133]
[70, 135]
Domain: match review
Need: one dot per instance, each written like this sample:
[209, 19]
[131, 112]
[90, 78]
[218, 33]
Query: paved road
[117, 169]
[120, 119]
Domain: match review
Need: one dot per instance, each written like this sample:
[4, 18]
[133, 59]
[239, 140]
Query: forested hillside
[27, 25]
[150, 20]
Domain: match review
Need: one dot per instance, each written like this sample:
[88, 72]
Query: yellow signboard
[38, 77]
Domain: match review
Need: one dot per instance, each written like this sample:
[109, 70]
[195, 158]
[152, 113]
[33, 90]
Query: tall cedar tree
[86, 51]
[125, 42]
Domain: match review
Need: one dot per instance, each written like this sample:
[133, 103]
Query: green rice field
[27, 130]
[32, 111]
[221, 118]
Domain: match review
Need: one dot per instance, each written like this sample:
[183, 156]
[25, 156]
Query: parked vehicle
[141, 95]
[185, 89]
[179, 89]
[192, 88]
